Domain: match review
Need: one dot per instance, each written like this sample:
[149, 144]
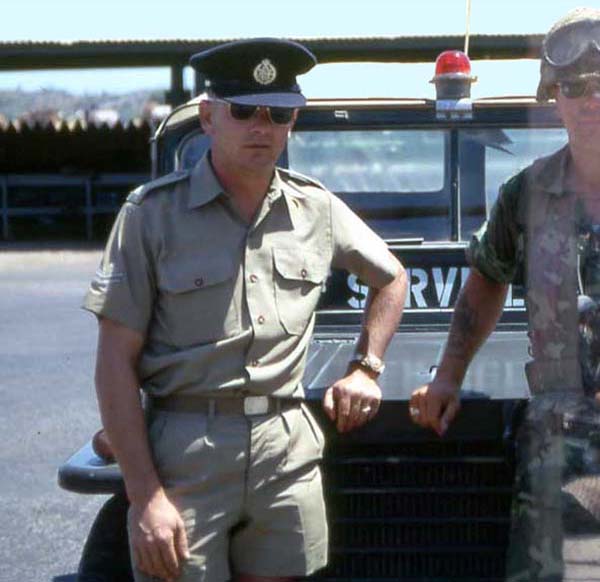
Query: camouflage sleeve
[493, 250]
[123, 288]
[359, 249]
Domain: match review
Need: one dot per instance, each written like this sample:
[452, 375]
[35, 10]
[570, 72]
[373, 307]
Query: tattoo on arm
[463, 337]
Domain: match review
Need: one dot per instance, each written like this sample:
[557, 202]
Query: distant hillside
[14, 104]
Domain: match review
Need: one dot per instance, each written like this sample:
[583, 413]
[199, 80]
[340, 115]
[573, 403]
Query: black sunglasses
[278, 115]
[576, 89]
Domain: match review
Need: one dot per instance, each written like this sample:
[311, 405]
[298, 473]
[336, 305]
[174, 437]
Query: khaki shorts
[248, 489]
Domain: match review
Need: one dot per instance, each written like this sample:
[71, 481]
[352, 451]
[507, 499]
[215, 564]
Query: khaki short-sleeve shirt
[225, 305]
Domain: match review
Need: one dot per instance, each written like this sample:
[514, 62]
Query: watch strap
[370, 362]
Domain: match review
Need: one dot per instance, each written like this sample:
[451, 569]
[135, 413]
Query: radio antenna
[467, 27]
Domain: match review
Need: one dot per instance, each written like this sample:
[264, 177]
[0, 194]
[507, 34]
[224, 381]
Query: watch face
[372, 363]
[369, 362]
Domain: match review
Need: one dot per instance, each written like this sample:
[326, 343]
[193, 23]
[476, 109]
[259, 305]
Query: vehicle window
[521, 148]
[396, 180]
[356, 161]
[382, 161]
[365, 167]
[490, 156]
[191, 150]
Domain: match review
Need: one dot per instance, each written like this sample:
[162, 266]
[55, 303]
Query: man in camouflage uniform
[205, 297]
[540, 232]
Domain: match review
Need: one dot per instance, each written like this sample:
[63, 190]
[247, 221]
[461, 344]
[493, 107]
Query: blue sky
[69, 20]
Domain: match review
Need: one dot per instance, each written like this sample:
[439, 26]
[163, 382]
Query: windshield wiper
[405, 241]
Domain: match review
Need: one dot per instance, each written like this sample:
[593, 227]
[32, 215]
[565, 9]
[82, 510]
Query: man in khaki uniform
[539, 233]
[206, 297]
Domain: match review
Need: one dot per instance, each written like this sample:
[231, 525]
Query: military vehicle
[403, 504]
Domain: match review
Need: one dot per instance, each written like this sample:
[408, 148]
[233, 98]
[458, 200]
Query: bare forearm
[477, 310]
[382, 315]
[123, 418]
[157, 535]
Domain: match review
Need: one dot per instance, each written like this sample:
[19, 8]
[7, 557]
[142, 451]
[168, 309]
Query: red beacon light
[452, 63]
[453, 83]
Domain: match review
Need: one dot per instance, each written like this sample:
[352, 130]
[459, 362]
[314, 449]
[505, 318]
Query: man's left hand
[353, 400]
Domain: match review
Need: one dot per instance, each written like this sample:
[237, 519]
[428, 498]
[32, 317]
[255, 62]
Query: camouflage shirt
[498, 249]
[536, 235]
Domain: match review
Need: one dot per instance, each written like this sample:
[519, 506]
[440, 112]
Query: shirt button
[261, 319]
[253, 278]
[304, 272]
[199, 282]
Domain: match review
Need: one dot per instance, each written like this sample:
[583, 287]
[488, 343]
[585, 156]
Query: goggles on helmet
[568, 44]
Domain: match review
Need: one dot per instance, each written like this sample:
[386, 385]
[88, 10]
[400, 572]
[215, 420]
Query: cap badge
[265, 73]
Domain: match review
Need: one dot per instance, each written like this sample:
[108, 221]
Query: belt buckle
[256, 405]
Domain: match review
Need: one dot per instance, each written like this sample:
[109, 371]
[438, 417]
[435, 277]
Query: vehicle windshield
[383, 161]
[400, 180]
[521, 148]
[488, 157]
[395, 179]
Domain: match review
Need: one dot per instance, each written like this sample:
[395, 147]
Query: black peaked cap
[258, 71]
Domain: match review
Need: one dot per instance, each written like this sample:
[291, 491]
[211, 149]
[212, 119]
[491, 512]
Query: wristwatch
[370, 362]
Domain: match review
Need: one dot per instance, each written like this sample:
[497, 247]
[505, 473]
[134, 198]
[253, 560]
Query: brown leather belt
[248, 405]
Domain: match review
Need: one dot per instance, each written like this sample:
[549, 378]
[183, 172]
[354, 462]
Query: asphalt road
[48, 405]
[48, 408]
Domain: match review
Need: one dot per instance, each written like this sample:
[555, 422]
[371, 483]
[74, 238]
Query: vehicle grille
[419, 511]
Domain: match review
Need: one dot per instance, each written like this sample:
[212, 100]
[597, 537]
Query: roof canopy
[175, 53]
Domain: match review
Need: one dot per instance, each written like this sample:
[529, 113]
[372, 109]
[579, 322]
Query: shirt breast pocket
[299, 278]
[198, 303]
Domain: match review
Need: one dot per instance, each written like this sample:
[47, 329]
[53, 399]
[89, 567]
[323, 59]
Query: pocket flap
[300, 265]
[197, 273]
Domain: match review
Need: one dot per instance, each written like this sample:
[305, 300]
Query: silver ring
[414, 411]
[366, 409]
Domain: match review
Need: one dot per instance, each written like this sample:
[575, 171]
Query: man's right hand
[158, 538]
[435, 405]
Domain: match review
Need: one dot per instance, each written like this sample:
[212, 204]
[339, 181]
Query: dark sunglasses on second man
[278, 115]
[576, 89]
